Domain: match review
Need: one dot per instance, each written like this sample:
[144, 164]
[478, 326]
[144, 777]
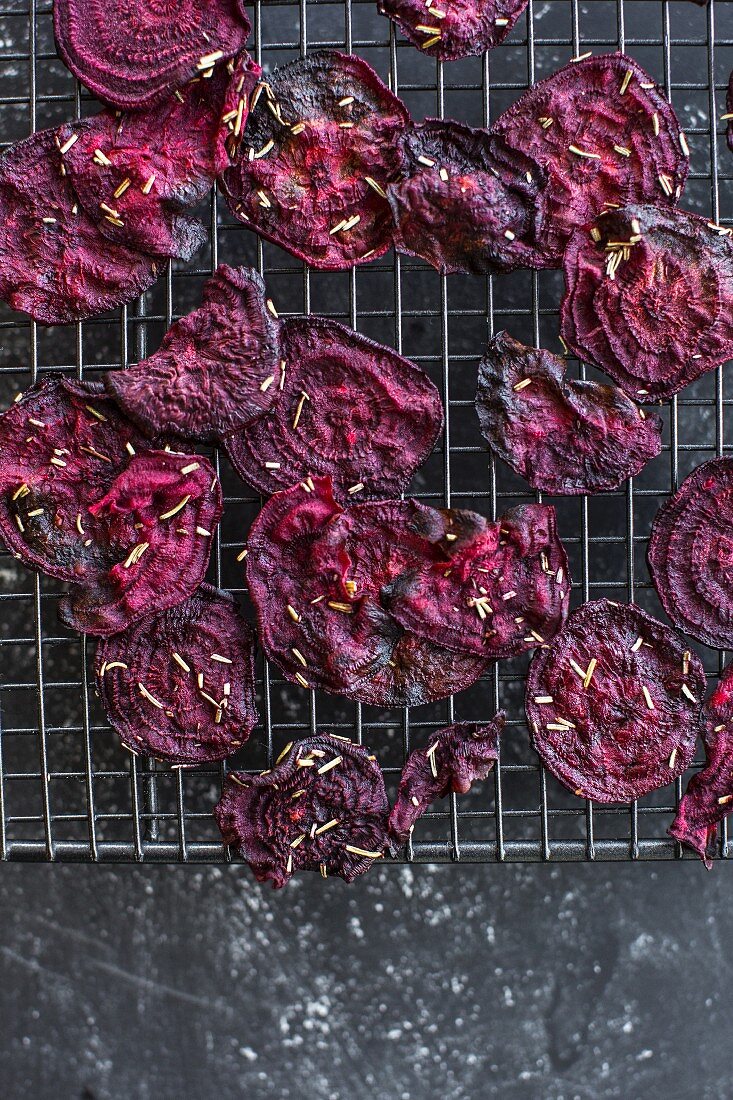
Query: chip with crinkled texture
[418, 672]
[464, 28]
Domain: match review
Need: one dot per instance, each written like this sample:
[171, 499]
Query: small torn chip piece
[649, 298]
[216, 368]
[460, 28]
[458, 207]
[455, 759]
[605, 135]
[54, 263]
[133, 54]
[179, 685]
[320, 150]
[347, 407]
[564, 435]
[709, 795]
[502, 588]
[613, 703]
[322, 807]
[690, 554]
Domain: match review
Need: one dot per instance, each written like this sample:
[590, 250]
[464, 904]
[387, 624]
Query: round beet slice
[455, 759]
[418, 672]
[458, 208]
[347, 408]
[691, 554]
[563, 435]
[320, 149]
[605, 135]
[614, 702]
[323, 807]
[460, 28]
[503, 589]
[54, 263]
[649, 298]
[216, 368]
[133, 54]
[179, 685]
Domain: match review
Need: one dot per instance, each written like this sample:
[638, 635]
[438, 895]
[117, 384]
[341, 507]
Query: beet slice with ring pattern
[460, 28]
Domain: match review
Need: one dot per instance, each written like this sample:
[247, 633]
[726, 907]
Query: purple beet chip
[216, 368]
[322, 807]
[563, 435]
[347, 408]
[418, 672]
[133, 54]
[455, 759]
[460, 28]
[179, 685]
[613, 703]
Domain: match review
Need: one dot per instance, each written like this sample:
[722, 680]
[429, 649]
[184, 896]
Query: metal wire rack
[67, 790]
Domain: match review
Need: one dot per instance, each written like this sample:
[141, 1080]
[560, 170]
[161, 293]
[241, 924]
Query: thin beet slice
[605, 135]
[649, 298]
[503, 590]
[613, 703]
[133, 54]
[179, 685]
[709, 795]
[151, 544]
[348, 408]
[323, 147]
[455, 759]
[563, 435]
[323, 807]
[458, 29]
[417, 672]
[458, 207]
[216, 368]
[690, 554]
[54, 263]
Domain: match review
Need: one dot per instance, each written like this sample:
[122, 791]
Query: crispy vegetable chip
[563, 435]
[179, 685]
[323, 807]
[458, 29]
[418, 672]
[613, 703]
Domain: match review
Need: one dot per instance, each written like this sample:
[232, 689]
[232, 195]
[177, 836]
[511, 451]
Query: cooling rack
[67, 789]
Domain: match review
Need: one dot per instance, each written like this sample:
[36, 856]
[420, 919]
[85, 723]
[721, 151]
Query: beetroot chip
[649, 298]
[458, 208]
[216, 369]
[323, 147]
[456, 757]
[348, 408]
[459, 29]
[604, 134]
[613, 703]
[54, 263]
[322, 807]
[133, 54]
[417, 672]
[503, 590]
[179, 685]
[691, 554]
[563, 435]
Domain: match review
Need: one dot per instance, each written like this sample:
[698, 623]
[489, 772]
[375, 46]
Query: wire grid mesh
[67, 790]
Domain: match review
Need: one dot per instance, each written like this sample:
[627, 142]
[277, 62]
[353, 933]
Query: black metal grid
[67, 790]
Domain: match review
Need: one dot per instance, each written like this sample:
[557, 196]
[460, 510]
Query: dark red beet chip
[322, 138]
[456, 757]
[418, 672]
[503, 589]
[322, 807]
[691, 554]
[216, 368]
[179, 685]
[457, 29]
[458, 207]
[613, 703]
[133, 54]
[651, 300]
[54, 263]
[563, 435]
[348, 408]
[709, 795]
[605, 135]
